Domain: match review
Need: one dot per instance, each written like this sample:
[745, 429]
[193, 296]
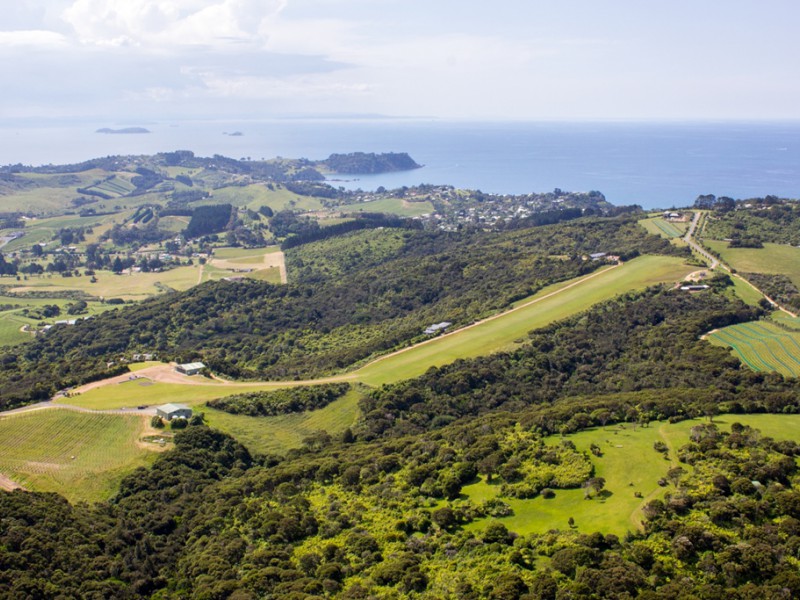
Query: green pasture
[257, 195]
[772, 259]
[762, 346]
[270, 275]
[505, 331]
[746, 292]
[284, 432]
[664, 228]
[12, 320]
[629, 464]
[394, 206]
[81, 456]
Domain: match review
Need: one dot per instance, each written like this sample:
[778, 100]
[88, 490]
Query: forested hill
[391, 517]
[339, 308]
[357, 163]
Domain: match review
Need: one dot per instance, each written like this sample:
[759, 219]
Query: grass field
[81, 456]
[136, 286]
[773, 259]
[762, 346]
[664, 228]
[12, 320]
[395, 206]
[628, 458]
[281, 433]
[501, 333]
[746, 292]
[139, 392]
[237, 254]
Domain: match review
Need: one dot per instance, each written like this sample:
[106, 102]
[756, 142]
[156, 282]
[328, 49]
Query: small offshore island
[123, 130]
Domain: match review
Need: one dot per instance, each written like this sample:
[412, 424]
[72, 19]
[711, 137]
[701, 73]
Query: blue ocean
[656, 165]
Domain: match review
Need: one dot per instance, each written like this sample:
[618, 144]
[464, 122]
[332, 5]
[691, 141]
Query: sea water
[655, 165]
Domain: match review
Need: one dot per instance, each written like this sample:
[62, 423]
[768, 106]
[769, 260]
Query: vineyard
[81, 456]
[762, 346]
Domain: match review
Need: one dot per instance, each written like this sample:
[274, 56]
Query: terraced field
[81, 456]
[762, 346]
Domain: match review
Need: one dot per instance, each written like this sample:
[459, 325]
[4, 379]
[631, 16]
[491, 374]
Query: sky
[135, 60]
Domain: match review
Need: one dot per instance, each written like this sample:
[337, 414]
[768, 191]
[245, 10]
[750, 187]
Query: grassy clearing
[762, 346]
[284, 432]
[628, 458]
[772, 259]
[395, 206]
[235, 254]
[81, 456]
[129, 394]
[505, 331]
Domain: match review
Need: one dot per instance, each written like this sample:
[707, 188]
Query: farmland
[762, 346]
[778, 259]
[81, 456]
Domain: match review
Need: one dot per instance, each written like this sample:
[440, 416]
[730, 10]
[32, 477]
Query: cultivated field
[81, 456]
[629, 464]
[762, 346]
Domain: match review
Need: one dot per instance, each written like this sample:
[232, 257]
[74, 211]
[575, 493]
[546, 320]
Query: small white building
[437, 327]
[174, 411]
[190, 368]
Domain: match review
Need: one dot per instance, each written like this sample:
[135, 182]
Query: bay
[656, 165]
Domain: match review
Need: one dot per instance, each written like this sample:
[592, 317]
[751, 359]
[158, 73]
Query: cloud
[35, 38]
[165, 24]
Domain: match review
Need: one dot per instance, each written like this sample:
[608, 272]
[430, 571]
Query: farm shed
[174, 411]
[190, 368]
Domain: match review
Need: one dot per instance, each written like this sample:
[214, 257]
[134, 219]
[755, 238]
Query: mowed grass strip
[666, 229]
[81, 456]
[762, 346]
[505, 331]
[629, 465]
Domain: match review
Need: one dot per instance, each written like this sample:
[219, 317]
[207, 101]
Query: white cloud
[163, 24]
[36, 38]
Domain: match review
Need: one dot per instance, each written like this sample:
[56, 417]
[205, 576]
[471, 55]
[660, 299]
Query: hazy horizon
[123, 61]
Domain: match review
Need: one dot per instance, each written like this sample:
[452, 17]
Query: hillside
[338, 309]
[612, 453]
